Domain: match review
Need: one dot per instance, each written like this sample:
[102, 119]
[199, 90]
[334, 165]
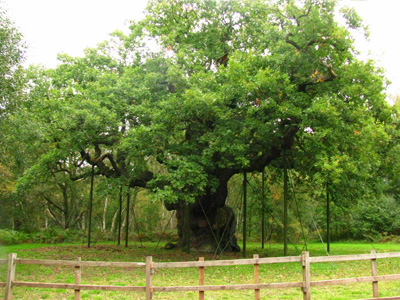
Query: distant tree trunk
[128, 197]
[66, 211]
[114, 220]
[123, 223]
[62, 211]
[187, 227]
[104, 221]
[83, 223]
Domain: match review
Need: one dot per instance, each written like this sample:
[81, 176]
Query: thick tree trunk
[212, 222]
[211, 230]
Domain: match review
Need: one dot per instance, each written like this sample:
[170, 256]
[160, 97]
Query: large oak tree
[199, 91]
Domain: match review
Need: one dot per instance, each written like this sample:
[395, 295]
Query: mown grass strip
[346, 281]
[235, 287]
[66, 286]
[338, 258]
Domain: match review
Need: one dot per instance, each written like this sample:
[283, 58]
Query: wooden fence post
[374, 268]
[10, 276]
[305, 263]
[149, 273]
[201, 279]
[257, 294]
[78, 280]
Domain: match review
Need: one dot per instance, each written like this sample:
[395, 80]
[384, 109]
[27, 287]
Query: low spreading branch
[49, 201]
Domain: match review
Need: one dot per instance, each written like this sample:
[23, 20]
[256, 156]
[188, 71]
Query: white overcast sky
[69, 26]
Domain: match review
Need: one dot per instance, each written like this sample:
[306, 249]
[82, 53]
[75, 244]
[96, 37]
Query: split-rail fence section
[149, 266]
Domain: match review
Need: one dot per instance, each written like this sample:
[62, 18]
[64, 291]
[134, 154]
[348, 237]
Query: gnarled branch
[294, 44]
[52, 203]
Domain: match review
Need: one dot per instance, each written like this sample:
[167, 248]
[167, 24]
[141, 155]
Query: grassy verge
[216, 275]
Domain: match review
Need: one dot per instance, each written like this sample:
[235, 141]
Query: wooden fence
[305, 285]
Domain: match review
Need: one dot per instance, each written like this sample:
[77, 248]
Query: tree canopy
[199, 91]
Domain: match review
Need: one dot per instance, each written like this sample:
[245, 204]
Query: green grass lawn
[189, 276]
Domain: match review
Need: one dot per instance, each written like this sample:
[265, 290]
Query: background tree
[12, 51]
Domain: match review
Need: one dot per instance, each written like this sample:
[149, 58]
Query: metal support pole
[285, 211]
[90, 207]
[120, 216]
[328, 220]
[262, 208]
[244, 212]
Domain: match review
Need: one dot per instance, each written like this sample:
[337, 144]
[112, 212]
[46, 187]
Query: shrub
[53, 235]
[12, 237]
[44, 236]
[375, 218]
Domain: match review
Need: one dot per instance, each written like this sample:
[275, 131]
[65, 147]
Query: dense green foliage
[12, 50]
[193, 95]
[11, 56]
[49, 235]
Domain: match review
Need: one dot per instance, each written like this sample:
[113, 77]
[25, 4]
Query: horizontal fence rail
[341, 258]
[224, 263]
[74, 263]
[150, 267]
